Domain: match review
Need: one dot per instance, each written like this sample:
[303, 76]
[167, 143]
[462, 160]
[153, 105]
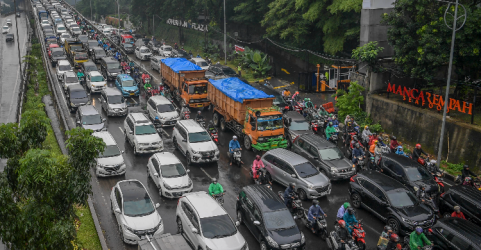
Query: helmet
[357, 145]
[350, 210]
[366, 127]
[258, 157]
[342, 222]
[292, 185]
[394, 137]
[199, 112]
[214, 180]
[284, 89]
[387, 228]
[419, 229]
[79, 70]
[347, 116]
[374, 134]
[375, 141]
[394, 237]
[346, 205]
[457, 209]
[330, 123]
[234, 137]
[465, 166]
[156, 118]
[400, 147]
[418, 145]
[315, 202]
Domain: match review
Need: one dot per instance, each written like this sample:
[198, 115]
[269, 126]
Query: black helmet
[465, 166]
[394, 137]
[315, 202]
[350, 210]
[387, 228]
[355, 138]
[292, 185]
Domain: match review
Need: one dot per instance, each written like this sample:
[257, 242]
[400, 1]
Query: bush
[453, 168]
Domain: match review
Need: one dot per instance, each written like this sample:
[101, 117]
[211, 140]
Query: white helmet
[234, 137]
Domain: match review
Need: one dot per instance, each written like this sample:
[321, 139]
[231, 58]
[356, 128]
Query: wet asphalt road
[10, 69]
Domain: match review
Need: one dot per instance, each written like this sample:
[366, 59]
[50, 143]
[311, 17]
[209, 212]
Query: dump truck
[76, 52]
[248, 112]
[186, 81]
[164, 242]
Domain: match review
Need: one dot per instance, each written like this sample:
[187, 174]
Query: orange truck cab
[194, 93]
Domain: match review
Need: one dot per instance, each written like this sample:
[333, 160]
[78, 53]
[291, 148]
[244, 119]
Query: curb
[47, 100]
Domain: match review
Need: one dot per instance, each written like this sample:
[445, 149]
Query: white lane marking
[208, 175]
[165, 133]
[121, 130]
[133, 100]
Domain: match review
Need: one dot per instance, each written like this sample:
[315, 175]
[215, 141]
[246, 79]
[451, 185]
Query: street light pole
[153, 25]
[91, 10]
[118, 12]
[225, 38]
[446, 97]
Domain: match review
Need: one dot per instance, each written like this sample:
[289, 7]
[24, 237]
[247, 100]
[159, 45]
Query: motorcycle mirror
[293, 176]
[156, 174]
[123, 152]
[117, 210]
[188, 171]
[194, 230]
[157, 205]
[257, 223]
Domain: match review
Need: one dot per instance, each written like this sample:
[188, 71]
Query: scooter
[219, 198]
[186, 115]
[321, 224]
[334, 242]
[214, 136]
[314, 126]
[334, 139]
[237, 156]
[361, 164]
[297, 210]
[201, 122]
[359, 235]
[158, 126]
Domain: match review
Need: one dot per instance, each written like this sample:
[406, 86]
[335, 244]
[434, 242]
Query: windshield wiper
[283, 228]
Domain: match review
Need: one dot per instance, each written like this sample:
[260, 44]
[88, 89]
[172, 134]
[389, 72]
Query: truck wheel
[247, 142]
[215, 119]
[222, 124]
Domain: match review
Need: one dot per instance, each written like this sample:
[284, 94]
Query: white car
[111, 162]
[160, 107]
[61, 29]
[62, 67]
[5, 29]
[142, 134]
[69, 78]
[169, 175]
[45, 22]
[95, 81]
[165, 50]
[194, 142]
[135, 211]
[64, 36]
[9, 22]
[143, 53]
[75, 31]
[69, 23]
[206, 224]
[200, 62]
[107, 33]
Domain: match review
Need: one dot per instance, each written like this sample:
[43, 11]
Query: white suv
[95, 81]
[111, 162]
[143, 53]
[135, 211]
[141, 134]
[194, 142]
[69, 78]
[161, 107]
[206, 224]
[62, 67]
[169, 175]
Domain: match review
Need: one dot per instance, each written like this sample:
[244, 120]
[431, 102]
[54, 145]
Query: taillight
[430, 230]
[442, 195]
[352, 178]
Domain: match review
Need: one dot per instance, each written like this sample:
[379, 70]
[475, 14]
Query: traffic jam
[278, 171]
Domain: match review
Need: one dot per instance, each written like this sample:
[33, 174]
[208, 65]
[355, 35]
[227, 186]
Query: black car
[325, 155]
[295, 125]
[181, 54]
[468, 198]
[455, 233]
[90, 45]
[9, 38]
[97, 54]
[222, 70]
[56, 54]
[409, 173]
[154, 46]
[268, 219]
[390, 201]
[76, 97]
[278, 101]
[128, 47]
[83, 39]
[88, 66]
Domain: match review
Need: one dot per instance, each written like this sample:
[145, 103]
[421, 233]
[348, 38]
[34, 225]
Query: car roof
[264, 198]
[143, 47]
[140, 118]
[469, 192]
[159, 99]
[385, 182]
[89, 62]
[66, 62]
[106, 137]
[88, 110]
[204, 204]
[294, 115]
[287, 156]
[165, 45]
[317, 141]
[76, 87]
[167, 158]
[401, 160]
[70, 73]
[95, 73]
[109, 91]
[132, 190]
[91, 41]
[191, 126]
[97, 48]
[125, 77]
[464, 227]
[110, 59]
[195, 59]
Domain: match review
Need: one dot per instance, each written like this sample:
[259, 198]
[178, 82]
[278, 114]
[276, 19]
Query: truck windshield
[81, 56]
[271, 122]
[113, 65]
[197, 89]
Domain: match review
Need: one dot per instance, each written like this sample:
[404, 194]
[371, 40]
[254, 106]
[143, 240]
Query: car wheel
[361, 245]
[302, 194]
[135, 150]
[222, 124]
[394, 224]
[189, 160]
[263, 245]
[215, 119]
[179, 226]
[356, 200]
[239, 216]
[247, 143]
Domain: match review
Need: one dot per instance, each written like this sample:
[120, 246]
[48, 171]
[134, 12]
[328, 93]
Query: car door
[257, 230]
[151, 108]
[281, 172]
[117, 203]
[129, 129]
[182, 141]
[103, 101]
[117, 83]
[246, 210]
[290, 172]
[78, 118]
[89, 84]
[153, 166]
[137, 52]
[366, 192]
[398, 173]
[187, 224]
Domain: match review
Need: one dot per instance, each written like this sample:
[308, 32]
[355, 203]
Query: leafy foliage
[255, 60]
[367, 53]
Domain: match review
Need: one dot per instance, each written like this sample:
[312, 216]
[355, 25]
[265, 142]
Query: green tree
[350, 102]
[422, 42]
[368, 54]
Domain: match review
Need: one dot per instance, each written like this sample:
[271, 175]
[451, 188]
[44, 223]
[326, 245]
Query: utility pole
[153, 26]
[118, 12]
[446, 98]
[91, 10]
[225, 38]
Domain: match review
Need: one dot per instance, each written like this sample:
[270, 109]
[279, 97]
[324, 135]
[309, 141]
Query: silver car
[88, 117]
[155, 63]
[284, 167]
[113, 102]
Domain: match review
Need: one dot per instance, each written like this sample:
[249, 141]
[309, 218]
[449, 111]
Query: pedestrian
[153, 38]
[239, 68]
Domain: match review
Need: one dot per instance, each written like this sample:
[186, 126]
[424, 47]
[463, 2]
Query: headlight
[334, 170]
[310, 186]
[408, 221]
[129, 228]
[194, 152]
[303, 239]
[271, 242]
[190, 182]
[167, 186]
[72, 104]
[245, 247]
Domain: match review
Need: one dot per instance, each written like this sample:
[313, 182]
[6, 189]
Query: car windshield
[172, 170]
[271, 122]
[279, 100]
[145, 130]
[116, 99]
[330, 154]
[167, 49]
[128, 45]
[162, 108]
[80, 94]
[97, 78]
[202, 64]
[128, 40]
[91, 119]
[93, 44]
[71, 79]
[139, 207]
[197, 89]
[228, 71]
[401, 198]
[110, 151]
[217, 227]
[199, 137]
[83, 38]
[100, 52]
[58, 53]
[113, 65]
[128, 83]
[417, 174]
[306, 170]
[64, 68]
[144, 51]
[75, 28]
[81, 56]
[299, 125]
[91, 68]
[61, 28]
[65, 36]
[279, 220]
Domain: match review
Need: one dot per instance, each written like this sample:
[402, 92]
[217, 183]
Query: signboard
[432, 100]
[188, 25]
[239, 48]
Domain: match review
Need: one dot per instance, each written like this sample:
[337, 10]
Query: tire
[135, 151]
[215, 119]
[189, 161]
[356, 200]
[223, 127]
[239, 217]
[361, 245]
[289, 142]
[247, 143]
[323, 234]
[263, 246]
[302, 194]
[179, 226]
[394, 224]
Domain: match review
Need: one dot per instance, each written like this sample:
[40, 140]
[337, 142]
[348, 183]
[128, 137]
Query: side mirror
[188, 171]
[157, 205]
[184, 140]
[78, 123]
[293, 176]
[257, 223]
[156, 174]
[131, 132]
[237, 223]
[104, 120]
[194, 230]
[117, 210]
[123, 152]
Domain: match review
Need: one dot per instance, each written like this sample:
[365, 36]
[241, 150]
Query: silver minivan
[113, 102]
[155, 63]
[88, 117]
[160, 107]
[284, 167]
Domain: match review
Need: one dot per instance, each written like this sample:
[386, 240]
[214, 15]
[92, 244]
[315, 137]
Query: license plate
[132, 93]
[200, 105]
[274, 145]
[177, 193]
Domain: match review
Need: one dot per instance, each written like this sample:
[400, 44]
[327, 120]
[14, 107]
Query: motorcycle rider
[286, 93]
[308, 103]
[80, 75]
[400, 151]
[356, 153]
[199, 116]
[386, 232]
[330, 130]
[393, 243]
[344, 234]
[417, 152]
[322, 111]
[335, 121]
[341, 211]
[257, 164]
[467, 173]
[233, 144]
[457, 213]
[314, 211]
[215, 188]
[350, 219]
[366, 133]
[348, 118]
[377, 152]
[394, 144]
[263, 180]
[373, 147]
[417, 239]
[145, 76]
[185, 109]
[288, 197]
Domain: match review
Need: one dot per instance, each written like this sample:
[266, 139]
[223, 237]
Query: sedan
[5, 29]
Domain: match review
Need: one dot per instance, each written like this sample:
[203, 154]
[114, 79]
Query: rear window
[79, 94]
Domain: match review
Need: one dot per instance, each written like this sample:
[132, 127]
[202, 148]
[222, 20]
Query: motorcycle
[127, 70]
[321, 224]
[201, 121]
[237, 156]
[219, 198]
[430, 201]
[334, 242]
[314, 126]
[334, 139]
[296, 205]
[158, 126]
[361, 164]
[214, 136]
[359, 234]
[186, 115]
